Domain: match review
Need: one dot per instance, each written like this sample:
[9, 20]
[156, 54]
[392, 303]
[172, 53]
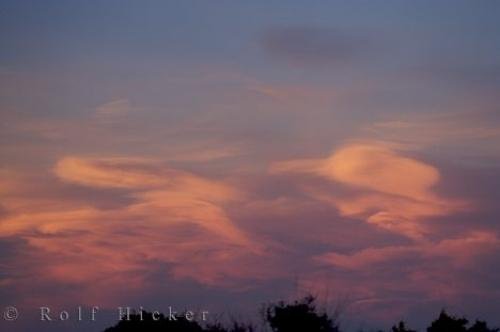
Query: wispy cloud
[468, 136]
[385, 195]
[173, 218]
[113, 108]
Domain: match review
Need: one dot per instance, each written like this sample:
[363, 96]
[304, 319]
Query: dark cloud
[311, 45]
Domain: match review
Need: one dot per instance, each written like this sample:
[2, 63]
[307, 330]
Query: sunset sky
[223, 154]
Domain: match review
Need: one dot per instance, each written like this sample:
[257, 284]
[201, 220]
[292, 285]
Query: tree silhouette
[401, 327]
[447, 323]
[481, 326]
[299, 316]
[150, 323]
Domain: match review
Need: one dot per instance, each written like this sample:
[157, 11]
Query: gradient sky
[222, 154]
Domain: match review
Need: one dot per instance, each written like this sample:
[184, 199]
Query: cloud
[385, 276]
[109, 172]
[173, 219]
[379, 169]
[179, 197]
[113, 108]
[385, 283]
[391, 191]
[468, 136]
[206, 154]
[461, 251]
[441, 128]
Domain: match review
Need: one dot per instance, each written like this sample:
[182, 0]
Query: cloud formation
[173, 219]
[389, 190]
[381, 185]
[132, 173]
[465, 137]
[461, 252]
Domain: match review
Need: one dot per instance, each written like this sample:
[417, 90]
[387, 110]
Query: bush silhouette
[299, 316]
[148, 324]
[163, 324]
[480, 326]
[447, 323]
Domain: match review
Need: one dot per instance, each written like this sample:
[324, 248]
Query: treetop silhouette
[298, 316]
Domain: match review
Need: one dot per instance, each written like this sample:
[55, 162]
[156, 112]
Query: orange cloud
[387, 282]
[173, 217]
[393, 191]
[379, 184]
[382, 170]
[108, 172]
[459, 251]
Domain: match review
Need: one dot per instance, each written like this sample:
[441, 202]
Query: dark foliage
[447, 323]
[148, 324]
[480, 326]
[299, 316]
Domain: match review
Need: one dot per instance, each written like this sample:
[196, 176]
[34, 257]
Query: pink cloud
[173, 218]
[391, 191]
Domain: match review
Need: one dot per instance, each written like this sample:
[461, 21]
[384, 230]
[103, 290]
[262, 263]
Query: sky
[225, 154]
